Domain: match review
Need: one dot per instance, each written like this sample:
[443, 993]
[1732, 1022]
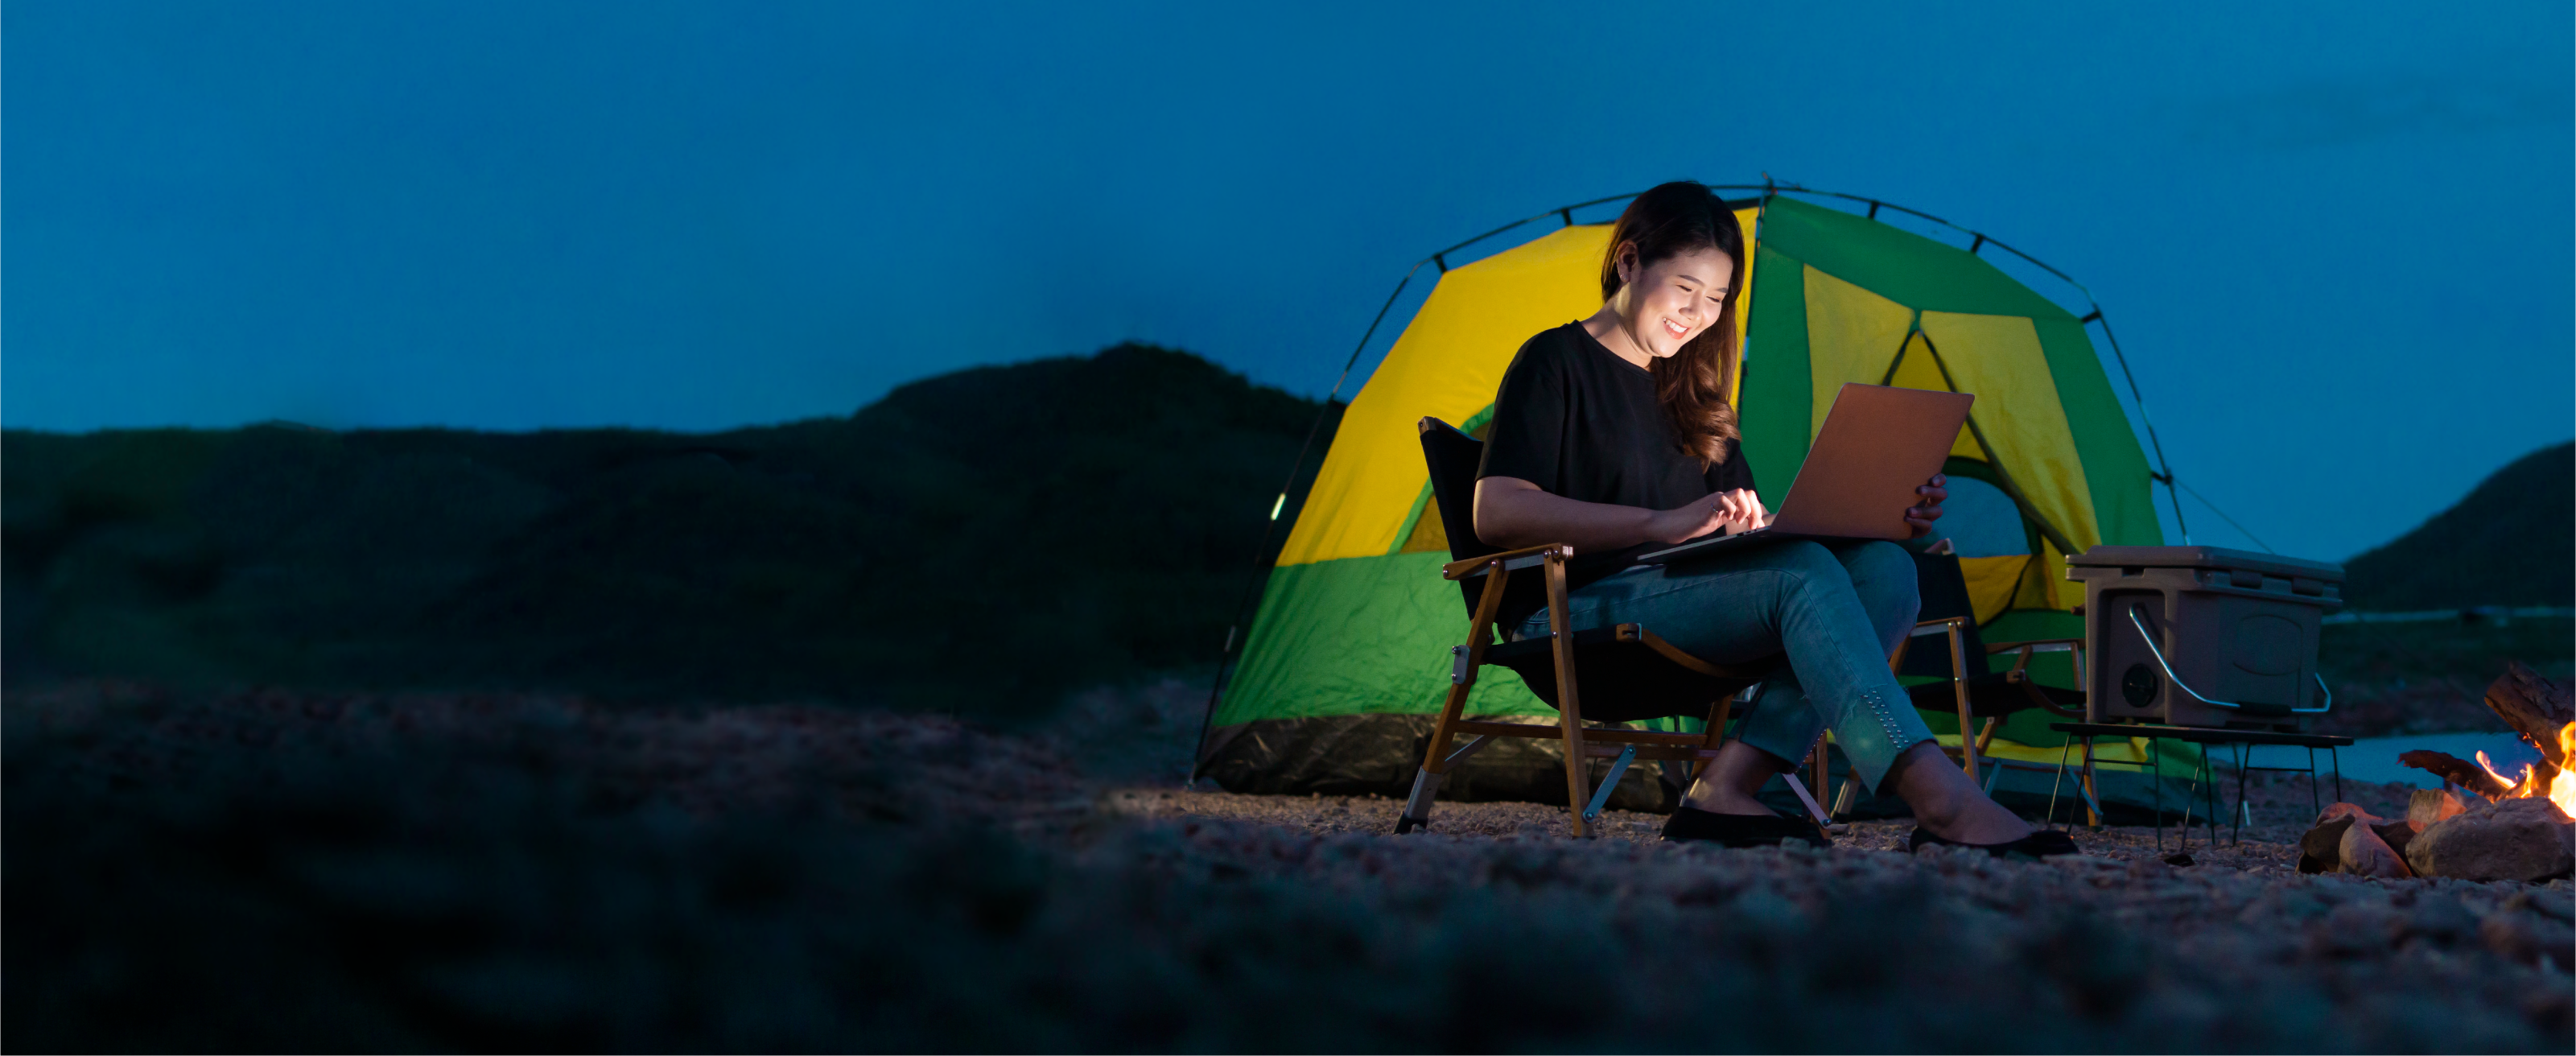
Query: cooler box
[2200, 636]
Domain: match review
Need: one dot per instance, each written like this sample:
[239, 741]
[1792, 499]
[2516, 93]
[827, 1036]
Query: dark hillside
[2512, 541]
[977, 542]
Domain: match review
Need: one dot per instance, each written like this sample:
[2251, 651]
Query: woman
[1614, 435]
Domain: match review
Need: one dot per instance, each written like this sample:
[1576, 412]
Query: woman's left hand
[1927, 509]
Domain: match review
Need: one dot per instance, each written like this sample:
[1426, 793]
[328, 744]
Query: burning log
[2457, 771]
[2536, 707]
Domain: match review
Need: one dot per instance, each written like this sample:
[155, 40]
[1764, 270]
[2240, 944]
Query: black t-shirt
[1580, 422]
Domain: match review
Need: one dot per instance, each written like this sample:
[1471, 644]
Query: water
[2375, 758]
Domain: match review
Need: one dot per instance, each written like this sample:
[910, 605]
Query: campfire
[2517, 828]
[2561, 782]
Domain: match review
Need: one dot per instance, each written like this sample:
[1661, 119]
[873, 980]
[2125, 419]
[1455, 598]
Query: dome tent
[1346, 660]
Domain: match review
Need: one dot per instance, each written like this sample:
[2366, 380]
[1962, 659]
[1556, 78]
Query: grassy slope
[2512, 541]
[2507, 543]
[977, 542]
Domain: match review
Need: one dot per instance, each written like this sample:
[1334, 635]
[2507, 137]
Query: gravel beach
[2258, 849]
[485, 872]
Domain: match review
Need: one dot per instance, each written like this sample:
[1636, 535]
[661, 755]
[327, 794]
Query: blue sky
[2337, 239]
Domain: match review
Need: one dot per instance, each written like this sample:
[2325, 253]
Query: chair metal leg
[1426, 786]
[1468, 659]
[1436, 758]
[1814, 810]
[1618, 769]
[1417, 807]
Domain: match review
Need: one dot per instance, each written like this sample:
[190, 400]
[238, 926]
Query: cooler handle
[2159, 654]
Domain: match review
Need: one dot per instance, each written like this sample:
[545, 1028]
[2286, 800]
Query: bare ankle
[1718, 797]
[1947, 804]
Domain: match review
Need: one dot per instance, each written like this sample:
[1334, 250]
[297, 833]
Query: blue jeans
[1837, 610]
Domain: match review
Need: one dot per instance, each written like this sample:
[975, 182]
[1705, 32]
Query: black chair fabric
[1453, 457]
[1619, 681]
[1944, 589]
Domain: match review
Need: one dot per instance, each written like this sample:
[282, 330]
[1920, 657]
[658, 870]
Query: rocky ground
[2280, 812]
[2265, 848]
[296, 870]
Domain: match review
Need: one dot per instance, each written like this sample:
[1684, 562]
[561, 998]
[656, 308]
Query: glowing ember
[2561, 788]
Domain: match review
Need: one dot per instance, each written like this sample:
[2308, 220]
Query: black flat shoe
[1741, 830]
[2039, 844]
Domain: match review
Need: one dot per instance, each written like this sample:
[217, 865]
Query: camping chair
[1615, 674]
[1970, 686]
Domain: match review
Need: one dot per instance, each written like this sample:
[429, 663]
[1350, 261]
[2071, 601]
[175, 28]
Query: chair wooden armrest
[2020, 673]
[1999, 647]
[1521, 558]
[2073, 647]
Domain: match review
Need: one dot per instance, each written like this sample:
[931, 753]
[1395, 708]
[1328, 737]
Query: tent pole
[2148, 420]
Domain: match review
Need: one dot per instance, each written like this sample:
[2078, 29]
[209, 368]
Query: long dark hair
[1692, 384]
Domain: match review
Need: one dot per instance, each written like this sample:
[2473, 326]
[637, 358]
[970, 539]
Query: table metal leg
[2092, 787]
[2190, 802]
[2156, 788]
[2209, 793]
[2236, 824]
[2314, 807]
[2051, 816]
[2201, 795]
[2204, 785]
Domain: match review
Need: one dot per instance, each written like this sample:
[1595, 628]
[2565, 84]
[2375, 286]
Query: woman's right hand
[1729, 511]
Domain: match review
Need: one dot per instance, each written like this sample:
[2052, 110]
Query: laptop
[1877, 446]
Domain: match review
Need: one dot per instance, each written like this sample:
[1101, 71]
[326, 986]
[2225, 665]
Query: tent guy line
[2231, 521]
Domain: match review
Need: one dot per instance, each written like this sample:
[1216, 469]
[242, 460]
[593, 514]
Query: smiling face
[1663, 305]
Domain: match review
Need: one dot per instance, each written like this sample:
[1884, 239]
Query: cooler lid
[2206, 557]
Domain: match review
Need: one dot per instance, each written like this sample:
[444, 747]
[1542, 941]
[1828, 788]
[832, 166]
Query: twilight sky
[2337, 239]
